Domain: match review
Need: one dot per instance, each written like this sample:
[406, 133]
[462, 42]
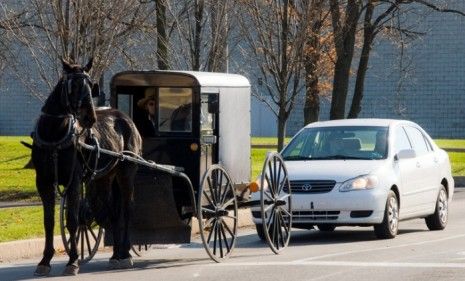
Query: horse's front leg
[47, 195]
[72, 221]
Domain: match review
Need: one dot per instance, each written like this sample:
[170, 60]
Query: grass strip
[24, 223]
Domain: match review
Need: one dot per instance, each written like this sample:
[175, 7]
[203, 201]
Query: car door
[426, 172]
[406, 173]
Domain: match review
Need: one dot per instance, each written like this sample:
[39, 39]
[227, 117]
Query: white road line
[380, 248]
[347, 264]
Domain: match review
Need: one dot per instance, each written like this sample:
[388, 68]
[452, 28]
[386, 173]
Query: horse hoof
[113, 264]
[42, 270]
[126, 263]
[71, 270]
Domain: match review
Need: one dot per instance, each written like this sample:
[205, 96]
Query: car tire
[389, 227]
[438, 220]
[326, 227]
[260, 232]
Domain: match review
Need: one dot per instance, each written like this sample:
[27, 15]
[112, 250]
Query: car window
[401, 140]
[428, 143]
[417, 140]
[341, 142]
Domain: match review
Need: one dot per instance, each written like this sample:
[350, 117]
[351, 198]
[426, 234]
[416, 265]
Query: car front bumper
[362, 207]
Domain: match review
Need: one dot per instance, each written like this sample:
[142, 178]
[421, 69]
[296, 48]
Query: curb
[31, 248]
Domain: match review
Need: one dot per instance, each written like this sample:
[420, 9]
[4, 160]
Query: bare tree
[372, 26]
[318, 52]
[275, 35]
[74, 30]
[200, 34]
[162, 36]
[345, 29]
[377, 16]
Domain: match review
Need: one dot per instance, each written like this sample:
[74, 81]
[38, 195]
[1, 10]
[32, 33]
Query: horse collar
[62, 143]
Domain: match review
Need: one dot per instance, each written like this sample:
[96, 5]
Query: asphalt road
[346, 254]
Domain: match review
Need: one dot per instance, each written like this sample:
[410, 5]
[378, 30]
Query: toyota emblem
[306, 187]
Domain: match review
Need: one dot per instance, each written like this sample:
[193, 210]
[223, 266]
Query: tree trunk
[199, 5]
[282, 120]
[217, 60]
[368, 36]
[340, 87]
[345, 45]
[312, 92]
[312, 100]
[162, 38]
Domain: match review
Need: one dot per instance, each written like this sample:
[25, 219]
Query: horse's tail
[28, 145]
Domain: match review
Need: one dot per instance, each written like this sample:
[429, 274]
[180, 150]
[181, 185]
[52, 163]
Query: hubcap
[393, 214]
[442, 206]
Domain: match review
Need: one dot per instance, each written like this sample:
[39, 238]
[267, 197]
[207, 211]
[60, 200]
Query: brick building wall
[18, 108]
[432, 90]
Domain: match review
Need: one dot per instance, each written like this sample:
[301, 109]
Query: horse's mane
[51, 99]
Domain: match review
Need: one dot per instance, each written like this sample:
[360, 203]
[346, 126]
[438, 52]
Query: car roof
[359, 122]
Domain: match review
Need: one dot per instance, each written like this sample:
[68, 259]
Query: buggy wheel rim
[217, 213]
[275, 203]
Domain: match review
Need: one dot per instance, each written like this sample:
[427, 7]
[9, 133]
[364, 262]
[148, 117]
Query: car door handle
[418, 165]
[435, 160]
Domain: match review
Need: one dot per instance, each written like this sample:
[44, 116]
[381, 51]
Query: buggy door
[209, 120]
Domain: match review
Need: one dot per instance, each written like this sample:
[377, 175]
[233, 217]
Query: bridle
[73, 107]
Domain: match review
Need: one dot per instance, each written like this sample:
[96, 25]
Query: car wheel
[438, 220]
[326, 227]
[389, 227]
[260, 232]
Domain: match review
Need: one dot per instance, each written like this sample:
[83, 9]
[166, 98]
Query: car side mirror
[406, 154]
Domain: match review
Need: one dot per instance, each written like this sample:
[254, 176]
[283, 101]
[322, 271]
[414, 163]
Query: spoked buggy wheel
[217, 213]
[275, 203]
[89, 234]
[140, 249]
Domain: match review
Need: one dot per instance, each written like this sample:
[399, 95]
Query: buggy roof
[174, 78]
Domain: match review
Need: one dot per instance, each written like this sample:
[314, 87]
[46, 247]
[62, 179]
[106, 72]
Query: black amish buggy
[195, 164]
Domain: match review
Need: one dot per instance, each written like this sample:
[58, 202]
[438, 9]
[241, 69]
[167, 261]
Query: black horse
[68, 117]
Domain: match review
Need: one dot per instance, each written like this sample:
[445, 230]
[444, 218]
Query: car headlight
[359, 183]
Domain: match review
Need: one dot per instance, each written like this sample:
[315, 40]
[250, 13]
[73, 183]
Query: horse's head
[77, 92]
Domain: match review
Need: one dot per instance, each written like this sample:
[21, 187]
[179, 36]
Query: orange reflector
[194, 146]
[253, 187]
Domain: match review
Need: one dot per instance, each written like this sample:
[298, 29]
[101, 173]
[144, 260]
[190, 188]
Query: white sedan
[367, 172]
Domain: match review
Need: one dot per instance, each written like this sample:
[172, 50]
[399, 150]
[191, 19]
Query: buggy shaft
[173, 170]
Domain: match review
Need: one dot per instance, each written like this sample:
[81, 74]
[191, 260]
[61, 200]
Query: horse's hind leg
[47, 194]
[125, 179]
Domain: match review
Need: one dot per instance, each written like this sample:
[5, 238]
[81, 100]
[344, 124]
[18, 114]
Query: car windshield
[336, 143]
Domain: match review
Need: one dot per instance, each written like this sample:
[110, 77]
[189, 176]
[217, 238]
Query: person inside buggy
[169, 111]
[146, 125]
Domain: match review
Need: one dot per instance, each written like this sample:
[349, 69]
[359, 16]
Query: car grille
[315, 215]
[311, 186]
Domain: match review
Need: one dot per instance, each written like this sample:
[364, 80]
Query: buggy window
[175, 110]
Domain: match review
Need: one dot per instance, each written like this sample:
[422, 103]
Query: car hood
[338, 170]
